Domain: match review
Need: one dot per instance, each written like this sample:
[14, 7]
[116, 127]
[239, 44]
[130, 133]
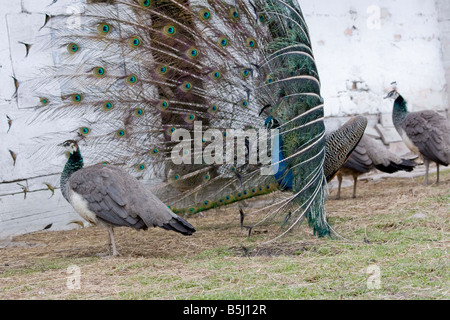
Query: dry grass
[380, 228]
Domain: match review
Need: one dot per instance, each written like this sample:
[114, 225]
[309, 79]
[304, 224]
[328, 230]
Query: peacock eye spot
[214, 108]
[72, 47]
[177, 177]
[163, 69]
[144, 3]
[85, 130]
[44, 101]
[194, 53]
[131, 79]
[121, 133]
[216, 75]
[99, 71]
[164, 104]
[103, 29]
[141, 167]
[77, 97]
[172, 130]
[191, 117]
[108, 105]
[139, 112]
[155, 151]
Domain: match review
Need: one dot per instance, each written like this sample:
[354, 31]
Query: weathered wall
[443, 8]
[358, 56]
[361, 46]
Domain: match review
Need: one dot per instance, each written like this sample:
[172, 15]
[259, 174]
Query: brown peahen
[426, 133]
[158, 86]
[368, 155]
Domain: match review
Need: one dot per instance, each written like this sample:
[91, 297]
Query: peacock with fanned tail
[147, 79]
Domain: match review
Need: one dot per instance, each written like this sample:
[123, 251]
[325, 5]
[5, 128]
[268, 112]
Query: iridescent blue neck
[73, 164]
[399, 112]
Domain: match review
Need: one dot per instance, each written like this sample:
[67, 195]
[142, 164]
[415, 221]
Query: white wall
[356, 64]
[404, 46]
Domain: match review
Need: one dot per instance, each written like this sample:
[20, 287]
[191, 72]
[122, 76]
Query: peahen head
[70, 145]
[393, 94]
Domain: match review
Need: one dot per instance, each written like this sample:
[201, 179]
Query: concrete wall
[443, 8]
[360, 47]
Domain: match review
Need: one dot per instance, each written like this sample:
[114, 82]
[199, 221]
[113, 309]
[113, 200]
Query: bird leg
[339, 176]
[437, 167]
[355, 180]
[427, 167]
[112, 242]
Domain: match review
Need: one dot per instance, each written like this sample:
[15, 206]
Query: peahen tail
[158, 86]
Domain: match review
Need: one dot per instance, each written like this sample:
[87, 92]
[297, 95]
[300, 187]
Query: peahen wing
[155, 84]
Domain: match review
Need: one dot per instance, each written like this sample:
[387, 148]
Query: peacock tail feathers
[143, 81]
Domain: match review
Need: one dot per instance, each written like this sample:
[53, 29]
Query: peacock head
[271, 123]
[393, 94]
[70, 145]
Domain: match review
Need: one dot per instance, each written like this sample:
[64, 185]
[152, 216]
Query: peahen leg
[437, 167]
[427, 167]
[112, 242]
[355, 180]
[339, 176]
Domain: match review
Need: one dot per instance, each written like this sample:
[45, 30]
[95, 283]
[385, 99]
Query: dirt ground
[35, 266]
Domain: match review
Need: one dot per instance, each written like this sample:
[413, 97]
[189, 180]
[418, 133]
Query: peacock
[100, 194]
[370, 154]
[163, 87]
[425, 133]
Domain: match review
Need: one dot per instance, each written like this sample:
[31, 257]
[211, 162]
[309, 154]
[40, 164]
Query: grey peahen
[370, 154]
[101, 195]
[156, 85]
[426, 133]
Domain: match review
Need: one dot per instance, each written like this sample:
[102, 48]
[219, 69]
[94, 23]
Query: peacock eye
[72, 47]
[85, 131]
[192, 52]
[99, 72]
[205, 14]
[134, 42]
[44, 101]
[251, 43]
[144, 3]
[120, 133]
[131, 79]
[107, 105]
[76, 98]
[169, 30]
[222, 41]
[103, 29]
[234, 14]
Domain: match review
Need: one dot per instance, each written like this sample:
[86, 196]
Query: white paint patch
[81, 207]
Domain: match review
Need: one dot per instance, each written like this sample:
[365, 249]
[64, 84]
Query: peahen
[426, 133]
[101, 195]
[159, 86]
[370, 154]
